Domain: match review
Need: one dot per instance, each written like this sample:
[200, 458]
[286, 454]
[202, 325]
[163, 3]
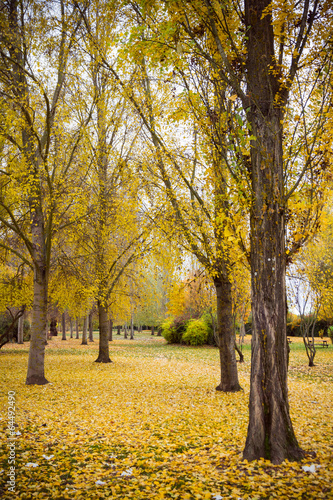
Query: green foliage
[196, 332]
[173, 330]
[168, 332]
[330, 333]
[208, 319]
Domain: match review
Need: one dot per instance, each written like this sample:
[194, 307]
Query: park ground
[150, 425]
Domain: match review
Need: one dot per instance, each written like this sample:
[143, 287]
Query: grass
[151, 425]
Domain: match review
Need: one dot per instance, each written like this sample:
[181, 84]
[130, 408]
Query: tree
[195, 219]
[279, 54]
[30, 127]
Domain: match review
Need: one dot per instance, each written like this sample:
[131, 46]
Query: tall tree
[30, 127]
[280, 53]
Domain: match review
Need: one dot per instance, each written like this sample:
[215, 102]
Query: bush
[208, 320]
[330, 333]
[170, 333]
[196, 332]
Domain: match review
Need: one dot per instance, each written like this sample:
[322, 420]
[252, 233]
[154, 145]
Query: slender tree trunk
[125, 331]
[270, 432]
[103, 354]
[77, 328]
[152, 330]
[71, 327]
[63, 325]
[159, 332]
[20, 332]
[91, 331]
[132, 329]
[229, 375]
[110, 329]
[35, 374]
[85, 331]
[240, 354]
[118, 329]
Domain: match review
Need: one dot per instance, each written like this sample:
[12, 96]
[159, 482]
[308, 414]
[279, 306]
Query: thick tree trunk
[35, 374]
[20, 332]
[77, 328]
[85, 331]
[63, 326]
[91, 331]
[103, 354]
[229, 375]
[110, 329]
[270, 432]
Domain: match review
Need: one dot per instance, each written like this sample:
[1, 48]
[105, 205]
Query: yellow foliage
[151, 425]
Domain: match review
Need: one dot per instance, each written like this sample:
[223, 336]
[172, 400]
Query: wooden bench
[322, 343]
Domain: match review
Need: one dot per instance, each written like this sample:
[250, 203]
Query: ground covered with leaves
[151, 425]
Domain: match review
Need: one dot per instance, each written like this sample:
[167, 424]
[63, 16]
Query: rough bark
[270, 432]
[103, 353]
[229, 375]
[85, 331]
[35, 374]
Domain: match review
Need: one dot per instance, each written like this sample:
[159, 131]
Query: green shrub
[330, 333]
[170, 333]
[207, 318]
[196, 332]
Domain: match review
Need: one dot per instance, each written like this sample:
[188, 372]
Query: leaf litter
[150, 425]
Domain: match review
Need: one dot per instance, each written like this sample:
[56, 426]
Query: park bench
[321, 343]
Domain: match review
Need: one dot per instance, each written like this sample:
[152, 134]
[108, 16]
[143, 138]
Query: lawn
[150, 425]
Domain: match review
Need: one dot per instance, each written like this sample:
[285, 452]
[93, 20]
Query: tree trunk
[77, 328]
[159, 332]
[229, 375]
[20, 332]
[118, 329]
[125, 331]
[35, 374]
[132, 329]
[85, 331]
[240, 354]
[152, 330]
[103, 354]
[110, 329]
[91, 331]
[270, 432]
[71, 327]
[63, 326]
